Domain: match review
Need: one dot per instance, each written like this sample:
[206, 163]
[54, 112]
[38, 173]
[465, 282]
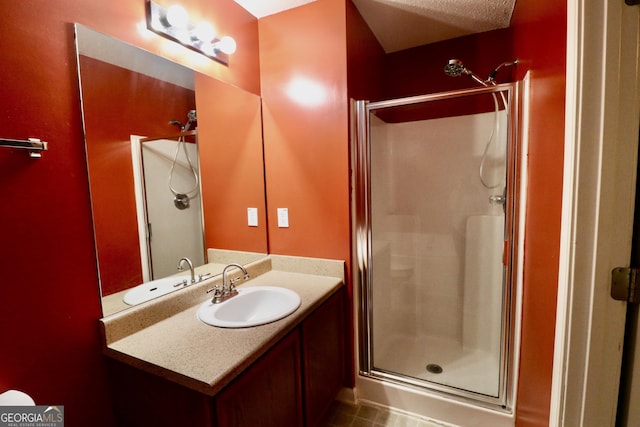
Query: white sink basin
[154, 289]
[252, 306]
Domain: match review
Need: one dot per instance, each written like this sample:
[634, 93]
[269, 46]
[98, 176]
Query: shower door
[435, 209]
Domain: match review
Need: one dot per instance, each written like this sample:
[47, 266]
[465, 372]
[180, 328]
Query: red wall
[110, 117]
[539, 30]
[420, 70]
[49, 299]
[365, 58]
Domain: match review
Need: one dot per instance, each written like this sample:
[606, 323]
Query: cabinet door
[267, 394]
[323, 357]
[141, 399]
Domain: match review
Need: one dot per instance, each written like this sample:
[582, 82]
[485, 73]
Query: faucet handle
[234, 280]
[217, 294]
[183, 283]
[204, 276]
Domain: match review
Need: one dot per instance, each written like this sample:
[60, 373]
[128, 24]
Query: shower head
[455, 68]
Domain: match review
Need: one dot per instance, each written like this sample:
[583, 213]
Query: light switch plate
[252, 217]
[283, 217]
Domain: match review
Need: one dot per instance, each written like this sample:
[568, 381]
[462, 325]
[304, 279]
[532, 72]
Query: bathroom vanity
[168, 368]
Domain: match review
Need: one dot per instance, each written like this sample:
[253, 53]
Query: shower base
[473, 370]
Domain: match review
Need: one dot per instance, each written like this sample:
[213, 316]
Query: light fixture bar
[185, 33]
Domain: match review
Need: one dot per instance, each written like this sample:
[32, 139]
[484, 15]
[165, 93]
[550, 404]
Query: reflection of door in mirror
[112, 112]
[168, 202]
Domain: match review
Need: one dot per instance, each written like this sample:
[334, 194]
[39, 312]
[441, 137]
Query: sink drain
[434, 368]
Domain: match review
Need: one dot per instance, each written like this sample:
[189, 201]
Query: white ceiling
[401, 24]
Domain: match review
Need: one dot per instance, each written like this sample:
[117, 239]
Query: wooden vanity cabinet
[268, 393]
[323, 336]
[288, 387]
[141, 399]
[291, 385]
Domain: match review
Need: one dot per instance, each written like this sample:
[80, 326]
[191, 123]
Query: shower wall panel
[425, 186]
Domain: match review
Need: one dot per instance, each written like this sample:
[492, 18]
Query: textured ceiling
[401, 24]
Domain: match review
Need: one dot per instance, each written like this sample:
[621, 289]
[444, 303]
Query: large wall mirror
[175, 166]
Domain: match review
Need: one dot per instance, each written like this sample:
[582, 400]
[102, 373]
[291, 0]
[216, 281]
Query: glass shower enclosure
[436, 190]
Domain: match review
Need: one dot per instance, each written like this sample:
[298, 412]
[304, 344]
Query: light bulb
[208, 49]
[177, 16]
[204, 32]
[227, 45]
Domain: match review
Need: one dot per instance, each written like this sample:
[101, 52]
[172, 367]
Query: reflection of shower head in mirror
[177, 123]
[191, 116]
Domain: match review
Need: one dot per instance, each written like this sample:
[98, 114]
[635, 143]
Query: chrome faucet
[228, 288]
[188, 261]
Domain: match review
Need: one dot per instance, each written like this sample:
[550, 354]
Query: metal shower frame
[362, 241]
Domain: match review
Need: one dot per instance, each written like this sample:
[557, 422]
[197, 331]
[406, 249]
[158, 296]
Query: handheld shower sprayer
[191, 116]
[181, 199]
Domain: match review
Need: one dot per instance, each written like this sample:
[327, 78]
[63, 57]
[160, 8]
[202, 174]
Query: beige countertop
[165, 337]
[218, 259]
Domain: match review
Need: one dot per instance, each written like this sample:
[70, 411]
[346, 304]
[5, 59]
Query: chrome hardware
[498, 199]
[624, 284]
[204, 276]
[218, 296]
[34, 145]
[228, 288]
[188, 261]
[183, 283]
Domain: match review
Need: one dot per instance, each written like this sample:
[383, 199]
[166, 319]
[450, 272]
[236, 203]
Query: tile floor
[344, 414]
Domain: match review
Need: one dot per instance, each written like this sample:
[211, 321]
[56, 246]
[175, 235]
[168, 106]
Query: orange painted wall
[306, 141]
[540, 34]
[49, 298]
[230, 147]
[306, 146]
[110, 117]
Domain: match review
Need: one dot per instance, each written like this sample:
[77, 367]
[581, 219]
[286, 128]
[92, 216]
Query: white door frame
[601, 142]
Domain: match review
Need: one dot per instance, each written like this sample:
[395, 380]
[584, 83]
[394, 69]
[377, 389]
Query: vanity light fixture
[173, 23]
